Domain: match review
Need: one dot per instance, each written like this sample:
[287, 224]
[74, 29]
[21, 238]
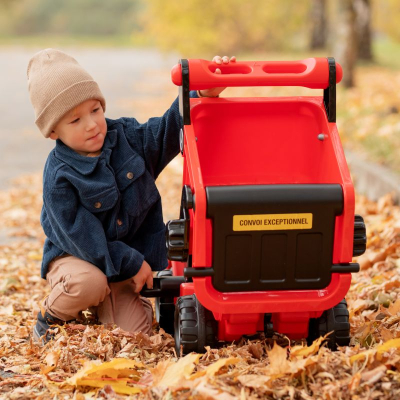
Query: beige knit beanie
[57, 84]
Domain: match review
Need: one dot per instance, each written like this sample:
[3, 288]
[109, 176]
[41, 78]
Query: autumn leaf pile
[91, 361]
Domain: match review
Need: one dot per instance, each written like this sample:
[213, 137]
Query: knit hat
[57, 84]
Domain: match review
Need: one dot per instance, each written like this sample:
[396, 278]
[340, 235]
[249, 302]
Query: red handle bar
[311, 73]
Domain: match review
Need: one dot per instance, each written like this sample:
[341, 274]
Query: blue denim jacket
[107, 210]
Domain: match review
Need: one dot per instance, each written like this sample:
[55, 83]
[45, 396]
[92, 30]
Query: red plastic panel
[272, 301]
[187, 289]
[311, 72]
[264, 141]
[233, 326]
[293, 325]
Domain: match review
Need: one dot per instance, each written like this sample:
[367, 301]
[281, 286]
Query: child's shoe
[41, 334]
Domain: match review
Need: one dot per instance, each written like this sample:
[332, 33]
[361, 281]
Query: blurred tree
[386, 17]
[73, 17]
[363, 27]
[345, 43]
[319, 24]
[195, 27]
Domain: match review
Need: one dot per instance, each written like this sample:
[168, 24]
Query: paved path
[125, 76]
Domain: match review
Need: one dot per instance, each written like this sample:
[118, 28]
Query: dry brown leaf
[175, 372]
[278, 360]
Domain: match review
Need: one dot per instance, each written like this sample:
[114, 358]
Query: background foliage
[195, 26]
[189, 27]
[72, 17]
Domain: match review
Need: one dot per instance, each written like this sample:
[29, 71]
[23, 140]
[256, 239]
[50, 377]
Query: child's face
[83, 129]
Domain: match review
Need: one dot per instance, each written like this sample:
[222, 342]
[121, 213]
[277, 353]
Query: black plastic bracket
[184, 100]
[167, 286]
[330, 91]
[198, 272]
[343, 268]
[186, 202]
[268, 326]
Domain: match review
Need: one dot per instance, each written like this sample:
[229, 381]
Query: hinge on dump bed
[330, 91]
[184, 102]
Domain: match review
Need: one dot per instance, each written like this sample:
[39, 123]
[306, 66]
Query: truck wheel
[195, 326]
[360, 236]
[165, 308]
[335, 320]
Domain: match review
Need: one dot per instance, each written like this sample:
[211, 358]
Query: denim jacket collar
[82, 164]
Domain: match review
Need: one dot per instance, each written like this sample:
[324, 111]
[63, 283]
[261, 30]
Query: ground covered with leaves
[91, 361]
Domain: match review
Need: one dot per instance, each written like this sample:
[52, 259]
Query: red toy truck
[267, 230]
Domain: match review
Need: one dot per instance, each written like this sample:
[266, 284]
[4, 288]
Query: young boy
[101, 209]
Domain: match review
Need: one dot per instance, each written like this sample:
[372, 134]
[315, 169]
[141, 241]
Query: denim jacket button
[119, 222]
[97, 204]
[129, 175]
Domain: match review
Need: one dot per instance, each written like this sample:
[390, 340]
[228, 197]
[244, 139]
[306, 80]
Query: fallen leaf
[212, 369]
[304, 351]
[116, 373]
[278, 360]
[51, 361]
[174, 372]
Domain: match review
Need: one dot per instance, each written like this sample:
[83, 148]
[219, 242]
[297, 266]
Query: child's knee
[90, 286]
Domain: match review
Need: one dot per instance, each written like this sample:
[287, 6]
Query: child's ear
[53, 135]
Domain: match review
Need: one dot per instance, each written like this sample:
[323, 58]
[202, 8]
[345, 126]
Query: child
[101, 209]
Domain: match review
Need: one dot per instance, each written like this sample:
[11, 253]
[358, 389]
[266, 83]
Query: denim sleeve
[160, 138]
[78, 232]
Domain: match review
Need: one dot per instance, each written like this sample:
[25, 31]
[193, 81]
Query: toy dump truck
[267, 230]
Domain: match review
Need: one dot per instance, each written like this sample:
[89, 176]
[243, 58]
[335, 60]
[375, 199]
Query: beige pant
[77, 285]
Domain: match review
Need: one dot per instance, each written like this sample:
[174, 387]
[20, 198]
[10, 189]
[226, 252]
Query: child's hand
[144, 276]
[214, 92]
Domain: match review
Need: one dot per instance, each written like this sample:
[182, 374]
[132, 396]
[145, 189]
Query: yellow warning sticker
[272, 222]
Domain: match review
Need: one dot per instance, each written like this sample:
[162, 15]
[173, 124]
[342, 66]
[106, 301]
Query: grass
[387, 53]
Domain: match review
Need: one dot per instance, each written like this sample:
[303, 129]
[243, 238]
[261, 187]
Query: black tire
[360, 236]
[165, 308]
[195, 326]
[335, 320]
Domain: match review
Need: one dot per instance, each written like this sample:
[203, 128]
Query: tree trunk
[319, 27]
[363, 25]
[345, 45]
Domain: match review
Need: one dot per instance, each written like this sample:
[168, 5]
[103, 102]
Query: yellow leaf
[304, 351]
[390, 344]
[361, 355]
[379, 350]
[119, 385]
[116, 373]
[212, 369]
